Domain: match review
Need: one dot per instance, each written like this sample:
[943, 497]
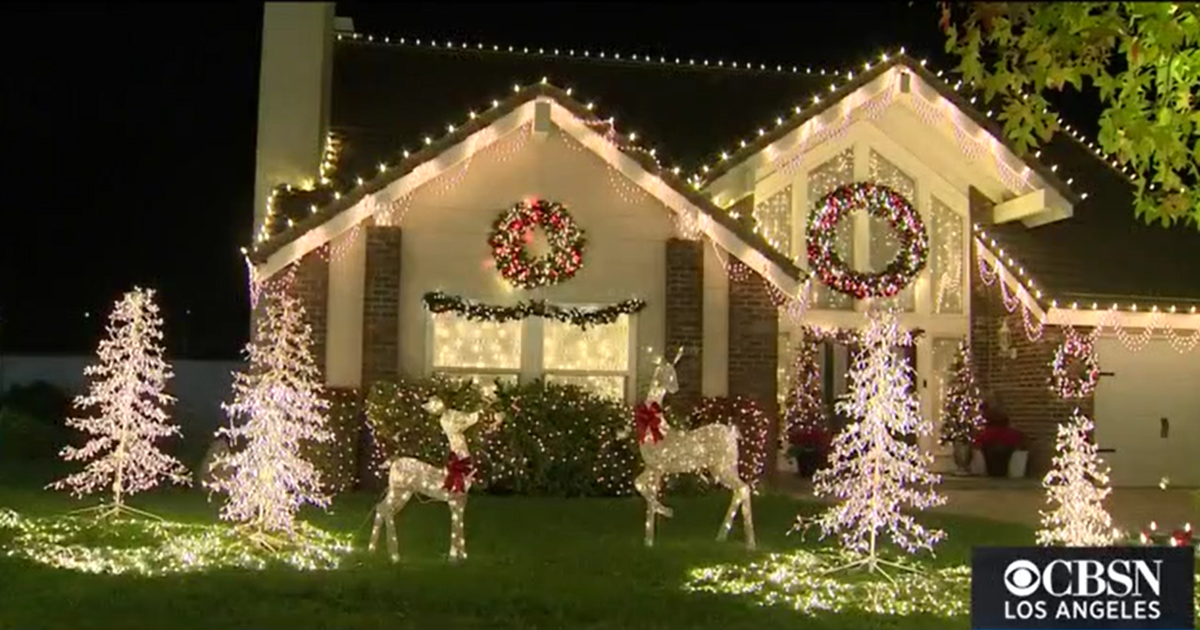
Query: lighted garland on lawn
[1078, 348]
[510, 238]
[439, 302]
[881, 202]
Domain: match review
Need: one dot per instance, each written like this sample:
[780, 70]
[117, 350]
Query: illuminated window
[824, 179]
[482, 351]
[884, 243]
[946, 259]
[596, 358]
[773, 219]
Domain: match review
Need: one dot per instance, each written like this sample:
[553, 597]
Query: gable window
[884, 244]
[597, 359]
[824, 179]
[946, 259]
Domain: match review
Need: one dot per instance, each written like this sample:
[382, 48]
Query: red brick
[685, 317]
[754, 348]
[381, 306]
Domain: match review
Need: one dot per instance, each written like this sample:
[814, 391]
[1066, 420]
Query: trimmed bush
[536, 439]
[26, 437]
[42, 401]
[338, 459]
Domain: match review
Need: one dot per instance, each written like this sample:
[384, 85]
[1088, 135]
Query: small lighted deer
[665, 451]
[450, 483]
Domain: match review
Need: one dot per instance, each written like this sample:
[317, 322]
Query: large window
[824, 179]
[946, 259]
[884, 243]
[482, 351]
[597, 358]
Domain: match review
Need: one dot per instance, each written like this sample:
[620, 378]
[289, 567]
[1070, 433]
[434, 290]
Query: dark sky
[129, 131]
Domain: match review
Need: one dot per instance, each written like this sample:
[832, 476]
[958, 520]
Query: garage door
[1149, 412]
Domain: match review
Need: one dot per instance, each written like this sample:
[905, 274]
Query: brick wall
[311, 286]
[381, 306]
[685, 318]
[754, 348]
[1020, 383]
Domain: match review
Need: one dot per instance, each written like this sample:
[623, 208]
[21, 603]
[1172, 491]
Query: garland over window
[1076, 354]
[510, 239]
[439, 302]
[881, 202]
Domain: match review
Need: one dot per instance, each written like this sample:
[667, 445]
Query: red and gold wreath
[882, 202]
[510, 239]
[1062, 382]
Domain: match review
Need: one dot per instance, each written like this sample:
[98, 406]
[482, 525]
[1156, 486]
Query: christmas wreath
[1062, 381]
[882, 202]
[511, 235]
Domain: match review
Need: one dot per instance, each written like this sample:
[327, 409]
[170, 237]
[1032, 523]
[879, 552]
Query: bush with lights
[337, 459]
[538, 438]
[751, 422]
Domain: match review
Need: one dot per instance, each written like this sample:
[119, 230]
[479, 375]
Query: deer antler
[678, 354]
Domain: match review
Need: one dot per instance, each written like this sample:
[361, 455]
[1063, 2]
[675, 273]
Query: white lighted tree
[127, 394]
[278, 405]
[1076, 485]
[875, 472]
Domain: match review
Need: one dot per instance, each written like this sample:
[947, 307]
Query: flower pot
[808, 461]
[996, 458]
[1018, 464]
[962, 456]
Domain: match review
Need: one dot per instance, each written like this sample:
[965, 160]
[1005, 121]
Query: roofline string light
[720, 65]
[1114, 318]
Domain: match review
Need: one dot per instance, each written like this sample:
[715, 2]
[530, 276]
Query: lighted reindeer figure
[450, 483]
[665, 451]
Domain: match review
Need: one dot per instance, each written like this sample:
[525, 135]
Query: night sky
[130, 135]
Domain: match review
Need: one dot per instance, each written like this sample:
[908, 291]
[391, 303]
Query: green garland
[438, 302]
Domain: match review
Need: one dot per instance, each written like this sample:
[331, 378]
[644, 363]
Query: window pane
[597, 349]
[823, 180]
[461, 343]
[884, 243]
[773, 219]
[946, 259]
[612, 387]
[482, 378]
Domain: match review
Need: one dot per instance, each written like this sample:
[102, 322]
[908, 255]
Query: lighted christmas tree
[962, 413]
[279, 401]
[127, 393]
[1077, 485]
[875, 473]
[804, 407]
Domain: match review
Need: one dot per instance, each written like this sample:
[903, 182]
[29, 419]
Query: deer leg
[748, 516]
[458, 538]
[383, 507]
[396, 505]
[647, 486]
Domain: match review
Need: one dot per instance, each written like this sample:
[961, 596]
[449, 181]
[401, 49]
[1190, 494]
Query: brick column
[381, 307]
[754, 349]
[311, 286]
[685, 318]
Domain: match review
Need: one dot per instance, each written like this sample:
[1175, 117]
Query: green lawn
[534, 563]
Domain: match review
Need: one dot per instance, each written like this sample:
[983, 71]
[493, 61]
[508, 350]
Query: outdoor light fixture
[1004, 340]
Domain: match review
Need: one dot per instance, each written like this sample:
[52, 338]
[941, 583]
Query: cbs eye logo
[1022, 578]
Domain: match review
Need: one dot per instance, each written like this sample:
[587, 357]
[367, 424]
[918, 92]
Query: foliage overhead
[1142, 59]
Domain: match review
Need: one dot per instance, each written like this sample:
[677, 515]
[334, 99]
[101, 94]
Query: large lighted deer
[450, 483]
[665, 452]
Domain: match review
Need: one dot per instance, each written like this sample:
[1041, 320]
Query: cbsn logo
[1078, 589]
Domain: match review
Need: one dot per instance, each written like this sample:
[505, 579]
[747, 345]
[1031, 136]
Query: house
[375, 191]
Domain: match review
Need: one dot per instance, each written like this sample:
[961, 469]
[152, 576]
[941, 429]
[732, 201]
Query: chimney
[293, 96]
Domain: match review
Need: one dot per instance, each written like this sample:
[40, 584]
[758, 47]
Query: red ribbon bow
[458, 469]
[649, 421]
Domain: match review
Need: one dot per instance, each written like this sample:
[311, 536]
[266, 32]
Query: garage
[1148, 413]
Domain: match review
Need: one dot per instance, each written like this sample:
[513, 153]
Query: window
[824, 179]
[946, 259]
[884, 244]
[774, 220]
[596, 358]
[481, 351]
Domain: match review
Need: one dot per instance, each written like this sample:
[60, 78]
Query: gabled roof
[331, 207]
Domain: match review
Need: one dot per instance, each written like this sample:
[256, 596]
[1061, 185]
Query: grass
[534, 563]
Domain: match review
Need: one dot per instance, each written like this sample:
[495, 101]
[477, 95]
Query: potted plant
[1019, 460]
[998, 441]
[809, 446]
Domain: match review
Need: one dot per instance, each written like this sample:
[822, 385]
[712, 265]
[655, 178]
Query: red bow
[458, 469]
[649, 421]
